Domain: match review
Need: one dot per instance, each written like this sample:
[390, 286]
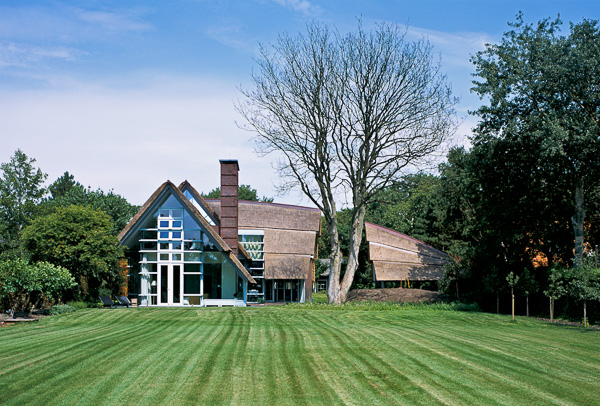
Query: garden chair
[124, 301]
[107, 301]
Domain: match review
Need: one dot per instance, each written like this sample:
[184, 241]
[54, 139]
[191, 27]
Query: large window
[284, 290]
[253, 243]
[171, 259]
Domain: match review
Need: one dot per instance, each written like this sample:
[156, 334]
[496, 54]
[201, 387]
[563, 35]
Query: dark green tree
[403, 206]
[544, 98]
[21, 189]
[245, 192]
[81, 240]
[114, 205]
[61, 186]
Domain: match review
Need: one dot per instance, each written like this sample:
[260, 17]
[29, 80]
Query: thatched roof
[151, 204]
[396, 256]
[263, 215]
[290, 235]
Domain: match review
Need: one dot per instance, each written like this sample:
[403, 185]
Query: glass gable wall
[179, 264]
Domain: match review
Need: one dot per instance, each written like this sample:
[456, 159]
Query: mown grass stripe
[296, 356]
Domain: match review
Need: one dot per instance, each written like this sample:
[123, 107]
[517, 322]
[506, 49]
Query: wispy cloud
[456, 48]
[231, 34]
[66, 24]
[114, 21]
[22, 55]
[302, 6]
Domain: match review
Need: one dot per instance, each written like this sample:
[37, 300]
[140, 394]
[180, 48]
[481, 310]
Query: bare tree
[348, 114]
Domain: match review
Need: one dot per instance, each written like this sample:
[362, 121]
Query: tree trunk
[527, 306]
[551, 309]
[497, 302]
[335, 262]
[577, 221]
[457, 295]
[358, 223]
[512, 294]
[585, 313]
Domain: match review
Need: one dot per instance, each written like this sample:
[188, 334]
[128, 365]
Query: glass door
[170, 285]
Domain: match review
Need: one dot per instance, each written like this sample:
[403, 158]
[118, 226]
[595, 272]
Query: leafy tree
[61, 186]
[543, 91]
[21, 188]
[512, 280]
[245, 192]
[556, 287]
[80, 239]
[584, 283]
[529, 285]
[114, 205]
[24, 285]
[348, 114]
[403, 205]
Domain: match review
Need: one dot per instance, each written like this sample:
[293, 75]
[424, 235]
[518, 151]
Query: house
[184, 250]
[398, 257]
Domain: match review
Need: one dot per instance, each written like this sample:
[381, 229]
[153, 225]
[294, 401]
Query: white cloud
[114, 21]
[302, 6]
[456, 48]
[231, 34]
[17, 54]
[66, 24]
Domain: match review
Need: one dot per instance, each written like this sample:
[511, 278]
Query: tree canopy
[348, 114]
[81, 240]
[543, 90]
[21, 189]
[67, 192]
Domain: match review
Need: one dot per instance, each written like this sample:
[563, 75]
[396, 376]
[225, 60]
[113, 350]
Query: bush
[59, 309]
[78, 305]
[24, 285]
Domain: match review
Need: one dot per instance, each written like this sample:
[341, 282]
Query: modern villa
[184, 250]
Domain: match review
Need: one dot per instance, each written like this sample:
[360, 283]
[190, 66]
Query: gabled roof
[167, 187]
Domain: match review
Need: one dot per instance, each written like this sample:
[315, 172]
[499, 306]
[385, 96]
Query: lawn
[283, 355]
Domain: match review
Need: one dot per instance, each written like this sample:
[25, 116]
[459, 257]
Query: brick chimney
[229, 203]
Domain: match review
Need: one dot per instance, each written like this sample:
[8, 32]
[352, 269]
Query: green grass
[286, 355]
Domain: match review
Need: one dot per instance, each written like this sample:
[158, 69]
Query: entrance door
[170, 285]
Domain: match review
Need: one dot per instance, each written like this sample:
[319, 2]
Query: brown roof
[263, 215]
[197, 215]
[397, 256]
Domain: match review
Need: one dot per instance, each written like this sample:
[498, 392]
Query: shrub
[24, 285]
[59, 309]
[78, 305]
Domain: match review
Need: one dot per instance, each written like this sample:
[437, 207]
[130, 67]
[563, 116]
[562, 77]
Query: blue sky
[127, 94]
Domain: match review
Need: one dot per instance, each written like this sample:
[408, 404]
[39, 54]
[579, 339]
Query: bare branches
[347, 112]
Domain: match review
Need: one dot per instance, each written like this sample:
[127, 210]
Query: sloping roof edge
[406, 237]
[200, 199]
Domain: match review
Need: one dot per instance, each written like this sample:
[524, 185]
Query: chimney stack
[229, 202]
